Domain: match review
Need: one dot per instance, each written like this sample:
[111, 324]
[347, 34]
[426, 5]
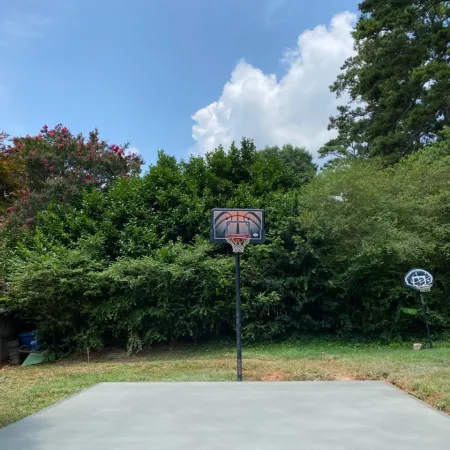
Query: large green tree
[366, 227]
[398, 83]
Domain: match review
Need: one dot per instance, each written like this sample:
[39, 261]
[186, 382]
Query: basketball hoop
[238, 241]
[419, 279]
[237, 227]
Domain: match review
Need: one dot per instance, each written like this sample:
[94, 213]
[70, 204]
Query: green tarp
[33, 358]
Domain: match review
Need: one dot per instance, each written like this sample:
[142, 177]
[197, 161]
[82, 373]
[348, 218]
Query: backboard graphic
[237, 221]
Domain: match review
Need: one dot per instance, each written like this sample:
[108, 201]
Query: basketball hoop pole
[425, 316]
[238, 319]
[238, 243]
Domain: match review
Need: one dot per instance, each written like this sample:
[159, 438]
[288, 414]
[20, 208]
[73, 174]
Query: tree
[58, 165]
[398, 83]
[172, 201]
[281, 169]
[366, 227]
[151, 274]
[12, 175]
[131, 264]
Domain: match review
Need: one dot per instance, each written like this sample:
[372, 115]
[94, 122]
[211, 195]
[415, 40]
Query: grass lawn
[425, 374]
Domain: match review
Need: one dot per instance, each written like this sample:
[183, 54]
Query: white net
[238, 241]
[424, 288]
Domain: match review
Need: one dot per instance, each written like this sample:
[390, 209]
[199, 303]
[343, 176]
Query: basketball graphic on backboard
[237, 222]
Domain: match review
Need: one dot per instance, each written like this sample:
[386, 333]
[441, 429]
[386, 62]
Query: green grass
[425, 374]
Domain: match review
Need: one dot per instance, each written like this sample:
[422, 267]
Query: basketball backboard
[237, 221]
[419, 280]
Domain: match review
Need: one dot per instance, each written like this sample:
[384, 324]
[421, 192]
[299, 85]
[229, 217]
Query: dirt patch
[275, 376]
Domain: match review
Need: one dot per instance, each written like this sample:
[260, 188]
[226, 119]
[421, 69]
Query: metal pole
[238, 319]
[430, 343]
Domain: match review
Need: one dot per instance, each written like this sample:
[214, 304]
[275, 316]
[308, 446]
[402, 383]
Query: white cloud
[294, 109]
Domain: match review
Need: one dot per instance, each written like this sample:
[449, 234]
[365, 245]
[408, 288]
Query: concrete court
[347, 415]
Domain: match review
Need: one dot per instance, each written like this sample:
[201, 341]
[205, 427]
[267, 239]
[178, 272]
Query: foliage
[151, 276]
[12, 175]
[398, 82]
[49, 288]
[367, 226]
[56, 166]
[178, 293]
[130, 264]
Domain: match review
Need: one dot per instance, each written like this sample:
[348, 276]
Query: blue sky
[139, 70]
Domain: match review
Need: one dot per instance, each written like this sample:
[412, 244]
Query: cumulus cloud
[294, 109]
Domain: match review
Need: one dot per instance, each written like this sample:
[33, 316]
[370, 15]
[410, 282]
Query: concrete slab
[245, 416]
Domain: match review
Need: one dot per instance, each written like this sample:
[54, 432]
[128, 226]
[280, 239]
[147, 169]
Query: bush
[367, 226]
[49, 290]
[131, 265]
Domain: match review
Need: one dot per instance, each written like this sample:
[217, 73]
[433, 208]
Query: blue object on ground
[29, 339]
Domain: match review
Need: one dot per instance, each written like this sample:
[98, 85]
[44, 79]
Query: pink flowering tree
[12, 176]
[59, 165]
